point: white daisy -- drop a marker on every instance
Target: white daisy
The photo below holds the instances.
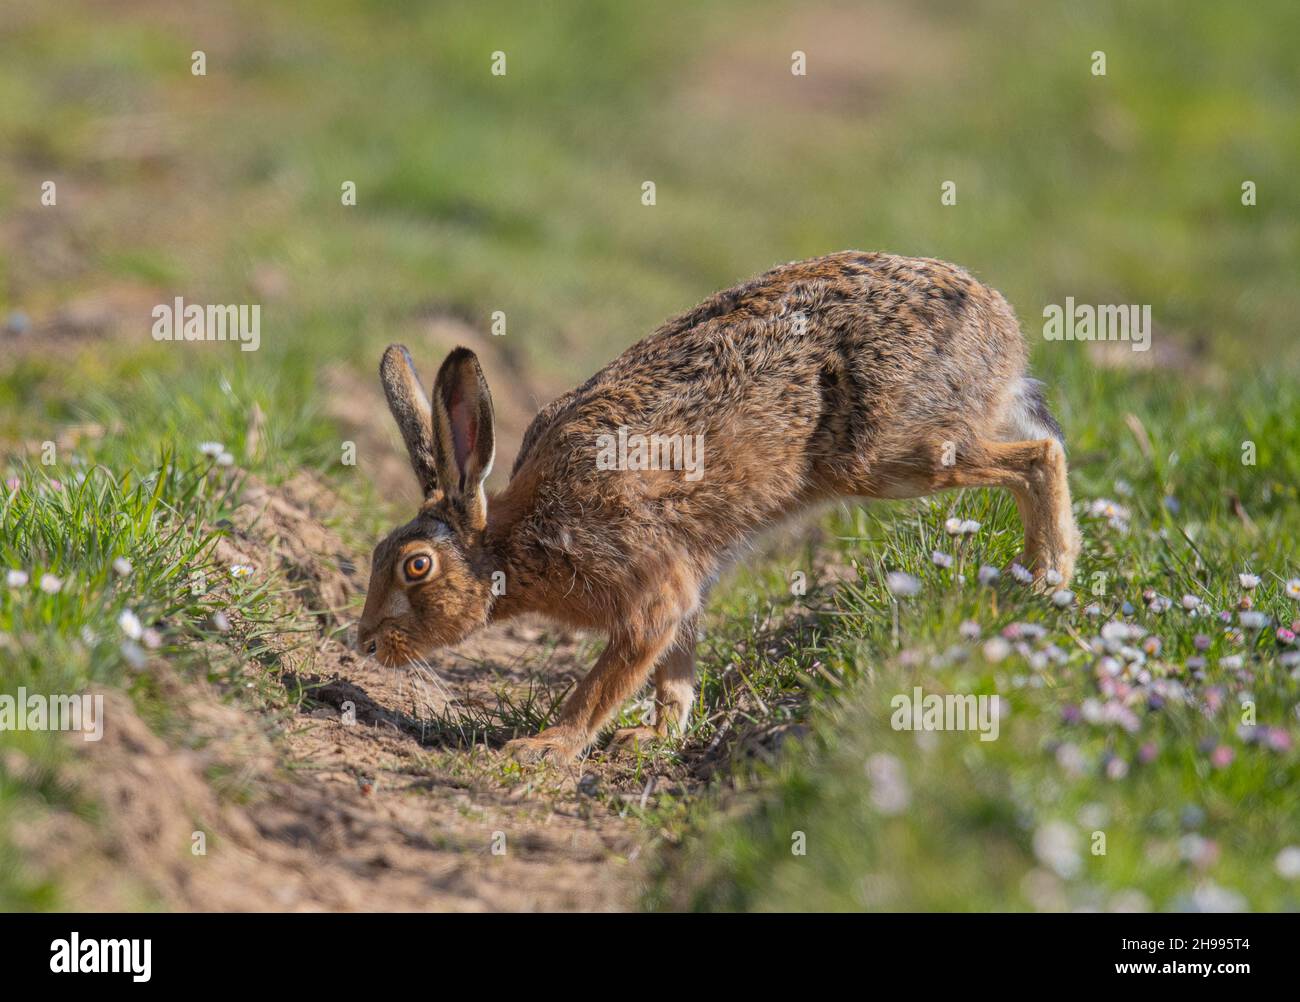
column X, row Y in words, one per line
column 1287, row 863
column 1252, row 620
column 996, row 649
column 130, row 624
column 902, row 585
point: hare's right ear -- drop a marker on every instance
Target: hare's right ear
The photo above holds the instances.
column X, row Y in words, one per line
column 464, row 433
column 410, row 406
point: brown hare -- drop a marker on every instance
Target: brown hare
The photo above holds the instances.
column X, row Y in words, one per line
column 851, row 375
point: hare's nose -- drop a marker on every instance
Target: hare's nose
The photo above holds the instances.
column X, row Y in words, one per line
column 365, row 640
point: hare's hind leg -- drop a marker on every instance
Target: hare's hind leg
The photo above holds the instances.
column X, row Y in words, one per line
column 1035, row 474
column 675, row 679
column 674, row 689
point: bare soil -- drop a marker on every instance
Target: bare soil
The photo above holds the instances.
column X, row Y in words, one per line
column 332, row 783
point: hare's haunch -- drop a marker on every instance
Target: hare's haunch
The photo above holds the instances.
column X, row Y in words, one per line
column 852, row 375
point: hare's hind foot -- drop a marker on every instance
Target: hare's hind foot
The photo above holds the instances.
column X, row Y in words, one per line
column 1041, row 488
column 1035, row 473
column 554, row 744
column 633, row 739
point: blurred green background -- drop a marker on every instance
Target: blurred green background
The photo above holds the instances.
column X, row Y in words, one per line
column 521, row 193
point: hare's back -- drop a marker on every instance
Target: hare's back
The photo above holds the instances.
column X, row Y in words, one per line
column 855, row 327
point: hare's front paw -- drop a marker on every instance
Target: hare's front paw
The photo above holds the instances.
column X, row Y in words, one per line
column 632, row 738
column 555, row 744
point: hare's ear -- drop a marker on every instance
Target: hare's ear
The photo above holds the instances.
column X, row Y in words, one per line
column 464, row 434
column 410, row 406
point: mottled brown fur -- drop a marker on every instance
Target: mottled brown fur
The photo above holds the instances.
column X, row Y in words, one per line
column 851, row 375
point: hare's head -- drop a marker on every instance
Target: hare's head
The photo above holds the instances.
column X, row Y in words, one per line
column 430, row 583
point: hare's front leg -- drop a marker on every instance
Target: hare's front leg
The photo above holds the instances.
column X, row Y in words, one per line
column 620, row 670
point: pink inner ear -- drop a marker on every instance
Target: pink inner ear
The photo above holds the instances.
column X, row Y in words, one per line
column 464, row 433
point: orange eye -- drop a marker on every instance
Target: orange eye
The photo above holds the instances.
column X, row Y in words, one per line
column 417, row 567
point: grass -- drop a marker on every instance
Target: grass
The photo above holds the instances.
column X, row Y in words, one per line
column 1193, row 801
column 88, row 561
column 522, row 194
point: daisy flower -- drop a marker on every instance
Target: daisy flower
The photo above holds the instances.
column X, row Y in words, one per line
column 50, row 584
column 1287, row 863
column 996, row 649
column 1106, row 508
column 16, row 579
column 129, row 623
column 1252, row 620
column 134, row 654
column 211, row 449
column 902, row 585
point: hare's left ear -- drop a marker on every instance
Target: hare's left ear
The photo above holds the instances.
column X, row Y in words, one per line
column 464, row 433
column 410, row 408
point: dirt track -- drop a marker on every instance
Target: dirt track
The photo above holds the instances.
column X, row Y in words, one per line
column 331, row 782
column 302, row 810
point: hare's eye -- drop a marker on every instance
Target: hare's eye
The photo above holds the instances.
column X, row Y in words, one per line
column 417, row 567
